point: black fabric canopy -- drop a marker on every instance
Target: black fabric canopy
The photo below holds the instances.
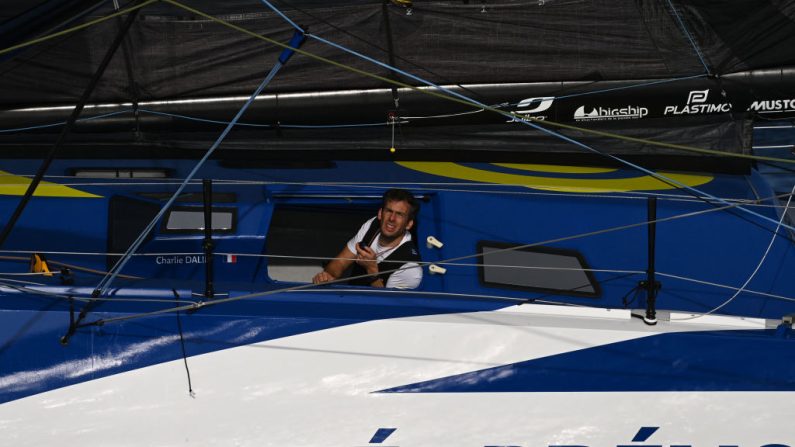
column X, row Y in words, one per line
column 598, row 60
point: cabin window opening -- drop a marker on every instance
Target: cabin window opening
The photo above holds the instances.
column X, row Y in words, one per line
column 120, row 173
column 191, row 220
column 542, row 269
column 302, row 238
column 127, row 218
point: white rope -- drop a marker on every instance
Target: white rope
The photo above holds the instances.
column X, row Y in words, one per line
column 20, row 281
column 723, row 286
column 758, row 266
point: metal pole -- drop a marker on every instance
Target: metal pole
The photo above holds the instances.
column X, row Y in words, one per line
column 651, row 284
column 208, row 238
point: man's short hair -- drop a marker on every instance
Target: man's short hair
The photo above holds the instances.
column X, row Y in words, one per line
column 401, row 195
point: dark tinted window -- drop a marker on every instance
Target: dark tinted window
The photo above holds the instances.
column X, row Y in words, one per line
column 538, row 268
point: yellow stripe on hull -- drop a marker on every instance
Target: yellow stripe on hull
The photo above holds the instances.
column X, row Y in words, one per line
column 14, row 185
column 568, row 184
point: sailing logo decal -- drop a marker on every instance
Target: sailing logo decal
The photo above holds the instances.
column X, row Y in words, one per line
column 697, row 96
column 773, row 105
column 535, row 105
column 553, row 177
column 605, row 114
column 697, row 105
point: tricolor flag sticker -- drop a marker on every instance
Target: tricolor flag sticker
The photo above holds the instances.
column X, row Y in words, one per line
column 230, row 259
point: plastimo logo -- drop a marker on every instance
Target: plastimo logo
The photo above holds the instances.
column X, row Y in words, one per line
column 697, row 105
column 607, row 113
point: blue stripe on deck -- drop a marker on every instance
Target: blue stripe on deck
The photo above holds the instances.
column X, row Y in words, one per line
column 758, row 360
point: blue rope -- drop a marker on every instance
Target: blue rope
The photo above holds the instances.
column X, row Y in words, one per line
column 545, row 130
column 201, row 120
column 284, row 16
column 106, row 281
column 61, row 123
column 689, row 37
column 643, row 84
column 287, row 126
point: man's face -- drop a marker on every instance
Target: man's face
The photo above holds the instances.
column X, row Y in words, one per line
column 395, row 218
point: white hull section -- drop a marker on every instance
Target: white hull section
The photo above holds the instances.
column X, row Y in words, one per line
column 319, row 389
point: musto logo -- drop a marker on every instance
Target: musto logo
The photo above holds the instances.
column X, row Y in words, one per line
column 773, row 105
column 605, row 113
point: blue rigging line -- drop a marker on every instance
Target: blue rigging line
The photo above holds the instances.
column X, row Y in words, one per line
column 268, row 126
column 284, row 16
column 61, row 123
column 543, row 129
column 689, row 37
column 106, row 281
column 642, row 84
column 202, row 120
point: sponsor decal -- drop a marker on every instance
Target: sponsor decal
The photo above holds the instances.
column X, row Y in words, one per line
column 531, row 106
column 697, row 96
column 697, row 105
column 534, row 105
column 607, row 113
column 773, row 105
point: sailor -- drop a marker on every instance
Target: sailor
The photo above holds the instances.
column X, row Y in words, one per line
column 380, row 242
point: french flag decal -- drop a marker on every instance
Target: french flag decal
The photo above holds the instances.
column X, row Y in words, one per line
column 230, row 259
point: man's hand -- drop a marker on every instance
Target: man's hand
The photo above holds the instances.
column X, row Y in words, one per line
column 322, row 277
column 365, row 257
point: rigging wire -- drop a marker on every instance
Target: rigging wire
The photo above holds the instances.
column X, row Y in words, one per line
column 457, row 97
column 108, row 279
column 360, row 39
column 267, row 126
column 64, row 264
column 690, row 38
column 642, row 84
column 77, row 27
column 443, row 262
column 300, row 287
column 70, row 123
column 61, row 123
column 756, row 269
column 572, row 140
column 83, row 253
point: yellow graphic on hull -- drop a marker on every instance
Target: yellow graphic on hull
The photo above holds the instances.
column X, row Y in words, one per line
column 15, row 185
column 556, row 168
column 560, row 184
